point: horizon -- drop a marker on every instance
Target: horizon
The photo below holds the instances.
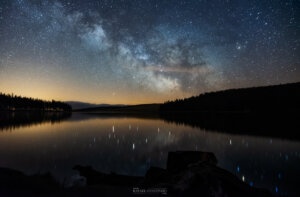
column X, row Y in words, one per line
column 115, row 104
column 140, row 52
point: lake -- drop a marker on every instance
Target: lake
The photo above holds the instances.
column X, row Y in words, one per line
column 130, row 145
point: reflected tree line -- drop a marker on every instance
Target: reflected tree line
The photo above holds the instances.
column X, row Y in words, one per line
column 268, row 111
column 17, row 111
column 10, row 102
column 12, row 120
column 263, row 111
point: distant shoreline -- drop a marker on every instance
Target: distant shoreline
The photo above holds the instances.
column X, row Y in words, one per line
column 270, row 111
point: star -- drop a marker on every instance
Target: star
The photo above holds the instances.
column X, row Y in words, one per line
column 137, row 52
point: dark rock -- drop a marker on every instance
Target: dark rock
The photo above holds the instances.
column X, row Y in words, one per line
column 191, row 173
column 209, row 180
column 155, row 175
column 188, row 173
column 15, row 182
column 94, row 177
column 180, row 160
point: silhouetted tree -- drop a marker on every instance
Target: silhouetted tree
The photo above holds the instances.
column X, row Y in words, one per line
column 270, row 98
column 13, row 102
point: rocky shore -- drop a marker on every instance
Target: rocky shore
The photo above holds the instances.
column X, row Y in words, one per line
column 188, row 173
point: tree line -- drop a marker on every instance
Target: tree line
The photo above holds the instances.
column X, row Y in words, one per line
column 269, row 98
column 12, row 102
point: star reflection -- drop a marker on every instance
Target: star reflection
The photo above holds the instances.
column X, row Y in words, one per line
column 243, row 178
column 108, row 146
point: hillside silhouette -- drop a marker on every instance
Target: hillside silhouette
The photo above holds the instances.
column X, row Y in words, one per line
column 262, row 111
column 16, row 103
column 142, row 109
column 277, row 98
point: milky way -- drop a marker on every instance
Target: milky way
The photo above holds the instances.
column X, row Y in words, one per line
column 145, row 51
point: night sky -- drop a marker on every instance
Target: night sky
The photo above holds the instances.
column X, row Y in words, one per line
column 145, row 51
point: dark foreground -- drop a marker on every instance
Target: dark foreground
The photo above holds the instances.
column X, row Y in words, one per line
column 188, row 173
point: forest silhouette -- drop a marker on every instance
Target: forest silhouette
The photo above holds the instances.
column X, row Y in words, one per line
column 277, row 98
column 263, row 111
column 11, row 102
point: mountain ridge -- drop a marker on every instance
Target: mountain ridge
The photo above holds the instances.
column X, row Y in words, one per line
column 77, row 105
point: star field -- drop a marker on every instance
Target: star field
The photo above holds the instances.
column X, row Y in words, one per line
column 145, row 51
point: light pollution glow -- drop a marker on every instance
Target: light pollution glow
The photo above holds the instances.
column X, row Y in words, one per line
column 131, row 52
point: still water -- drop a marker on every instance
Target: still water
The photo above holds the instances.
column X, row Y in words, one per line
column 127, row 145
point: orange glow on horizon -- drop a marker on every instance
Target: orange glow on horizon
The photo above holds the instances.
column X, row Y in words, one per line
column 38, row 91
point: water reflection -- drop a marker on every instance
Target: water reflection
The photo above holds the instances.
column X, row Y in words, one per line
column 269, row 124
column 131, row 145
column 14, row 120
